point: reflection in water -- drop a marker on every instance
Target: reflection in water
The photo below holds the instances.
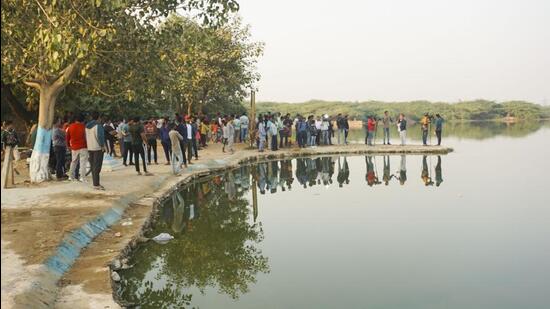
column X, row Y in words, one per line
column 217, row 236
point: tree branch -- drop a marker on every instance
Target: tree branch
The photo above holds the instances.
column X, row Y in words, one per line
column 64, row 77
column 35, row 83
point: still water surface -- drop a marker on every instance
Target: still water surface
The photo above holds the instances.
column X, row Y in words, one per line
column 466, row 230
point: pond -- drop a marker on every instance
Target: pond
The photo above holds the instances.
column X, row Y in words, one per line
column 466, row 230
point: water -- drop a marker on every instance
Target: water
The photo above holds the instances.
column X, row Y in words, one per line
column 466, row 230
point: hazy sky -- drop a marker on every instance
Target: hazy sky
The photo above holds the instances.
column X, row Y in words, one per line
column 402, row 49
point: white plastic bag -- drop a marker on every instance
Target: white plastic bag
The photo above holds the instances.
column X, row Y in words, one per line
column 163, row 238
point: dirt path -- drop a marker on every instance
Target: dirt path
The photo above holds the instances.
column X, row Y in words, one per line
column 37, row 218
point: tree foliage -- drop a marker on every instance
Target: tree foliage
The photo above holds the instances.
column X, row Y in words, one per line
column 470, row 110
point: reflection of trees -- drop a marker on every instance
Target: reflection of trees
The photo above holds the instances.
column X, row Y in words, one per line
column 472, row 130
column 213, row 249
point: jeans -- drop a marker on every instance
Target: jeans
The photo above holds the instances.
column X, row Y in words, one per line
column 128, row 150
column 274, row 142
column 324, row 135
column 438, row 134
column 341, row 136
column 387, row 135
column 346, row 132
column 110, row 143
column 302, row 138
column 312, row 140
column 152, row 144
column 424, row 137
column 96, row 161
column 167, row 147
column 60, row 152
column 244, row 134
column 370, row 137
column 195, row 149
column 78, row 156
column 403, row 136
column 139, row 151
column 182, row 148
column 282, row 136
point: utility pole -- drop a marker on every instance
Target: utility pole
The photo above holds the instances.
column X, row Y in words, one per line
column 252, row 122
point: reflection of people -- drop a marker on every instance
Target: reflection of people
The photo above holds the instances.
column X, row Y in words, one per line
column 343, row 172
column 387, row 177
column 371, row 177
column 438, row 173
column 402, row 170
column 425, row 175
column 262, row 169
column 326, row 170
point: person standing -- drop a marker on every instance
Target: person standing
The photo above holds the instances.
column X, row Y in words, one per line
column 340, row 128
column 95, row 140
column 188, row 137
column 237, row 125
column 346, row 129
column 438, row 128
column 312, row 132
column 273, row 129
column 164, row 134
column 402, row 126
column 196, row 136
column 177, row 153
column 76, row 140
column 301, row 128
column 231, row 134
column 262, row 135
column 110, row 135
column 182, row 130
column 386, row 122
column 137, row 133
column 204, row 128
column 244, row 127
column 60, row 149
column 287, row 128
column 225, row 134
column 425, row 125
column 127, row 140
column 324, row 130
column 151, row 134
column 371, row 126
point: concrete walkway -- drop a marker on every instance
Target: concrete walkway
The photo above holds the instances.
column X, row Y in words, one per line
column 58, row 238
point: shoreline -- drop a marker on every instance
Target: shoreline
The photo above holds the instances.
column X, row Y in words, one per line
column 85, row 278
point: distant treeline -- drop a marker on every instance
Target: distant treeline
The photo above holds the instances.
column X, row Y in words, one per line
column 468, row 110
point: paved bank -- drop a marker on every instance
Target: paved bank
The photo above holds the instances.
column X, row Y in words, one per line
column 45, row 227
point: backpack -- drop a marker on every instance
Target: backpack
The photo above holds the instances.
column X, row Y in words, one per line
column 11, row 138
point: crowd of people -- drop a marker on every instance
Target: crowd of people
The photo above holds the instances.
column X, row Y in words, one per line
column 82, row 140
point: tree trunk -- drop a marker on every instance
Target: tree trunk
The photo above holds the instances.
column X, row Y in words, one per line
column 40, row 157
column 49, row 91
column 189, row 108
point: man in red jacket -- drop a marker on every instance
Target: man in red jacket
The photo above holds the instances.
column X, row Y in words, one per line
column 76, row 141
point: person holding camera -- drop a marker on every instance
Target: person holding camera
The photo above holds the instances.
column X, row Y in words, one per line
column 425, row 125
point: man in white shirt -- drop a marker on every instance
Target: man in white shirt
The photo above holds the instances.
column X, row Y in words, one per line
column 244, row 127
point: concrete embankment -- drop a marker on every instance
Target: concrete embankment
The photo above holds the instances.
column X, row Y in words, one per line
column 74, row 272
